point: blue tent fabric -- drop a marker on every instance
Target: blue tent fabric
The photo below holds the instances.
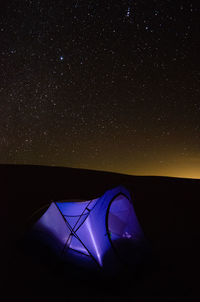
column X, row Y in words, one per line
column 92, row 229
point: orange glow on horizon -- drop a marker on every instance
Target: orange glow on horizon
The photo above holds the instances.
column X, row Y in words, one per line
column 184, row 172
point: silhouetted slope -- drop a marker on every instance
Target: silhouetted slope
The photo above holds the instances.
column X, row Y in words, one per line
column 167, row 208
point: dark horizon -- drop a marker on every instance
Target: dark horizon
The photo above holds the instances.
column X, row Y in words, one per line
column 92, row 170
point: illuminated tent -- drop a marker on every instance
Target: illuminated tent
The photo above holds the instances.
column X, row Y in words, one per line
column 99, row 233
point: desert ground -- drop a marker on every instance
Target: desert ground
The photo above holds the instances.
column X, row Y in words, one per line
column 167, row 209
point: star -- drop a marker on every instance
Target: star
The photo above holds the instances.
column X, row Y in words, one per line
column 128, row 12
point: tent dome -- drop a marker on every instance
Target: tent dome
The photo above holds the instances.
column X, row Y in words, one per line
column 102, row 233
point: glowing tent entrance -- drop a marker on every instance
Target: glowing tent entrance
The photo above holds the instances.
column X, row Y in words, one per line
column 99, row 233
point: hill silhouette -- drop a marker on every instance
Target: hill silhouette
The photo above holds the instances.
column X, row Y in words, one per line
column 168, row 211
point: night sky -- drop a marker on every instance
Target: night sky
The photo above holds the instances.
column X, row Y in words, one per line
column 104, row 85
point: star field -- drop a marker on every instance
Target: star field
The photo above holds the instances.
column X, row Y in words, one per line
column 108, row 85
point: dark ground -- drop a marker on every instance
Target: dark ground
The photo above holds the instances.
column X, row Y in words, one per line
column 168, row 211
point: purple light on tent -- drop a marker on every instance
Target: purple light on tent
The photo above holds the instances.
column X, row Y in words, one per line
column 122, row 220
column 93, row 229
column 94, row 242
column 51, row 228
column 76, row 245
